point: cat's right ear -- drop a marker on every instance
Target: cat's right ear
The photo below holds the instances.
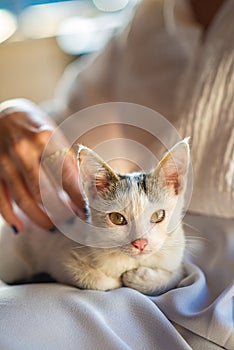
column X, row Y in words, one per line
column 96, row 175
column 172, row 170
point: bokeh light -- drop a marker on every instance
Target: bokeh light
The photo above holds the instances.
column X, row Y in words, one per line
column 8, row 25
column 110, row 5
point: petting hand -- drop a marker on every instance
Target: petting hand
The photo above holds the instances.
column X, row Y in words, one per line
column 24, row 133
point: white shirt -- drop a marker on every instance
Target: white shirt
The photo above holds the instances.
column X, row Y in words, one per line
column 162, row 61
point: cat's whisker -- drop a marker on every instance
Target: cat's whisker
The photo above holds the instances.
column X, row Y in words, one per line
column 192, row 253
column 196, row 238
column 78, row 247
column 97, row 252
column 89, row 253
column 194, row 245
column 191, row 227
column 174, row 243
column 193, row 249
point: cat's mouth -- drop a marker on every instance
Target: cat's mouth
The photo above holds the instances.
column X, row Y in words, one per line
column 140, row 254
column 137, row 253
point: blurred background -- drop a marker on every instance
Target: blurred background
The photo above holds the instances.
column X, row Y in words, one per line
column 38, row 38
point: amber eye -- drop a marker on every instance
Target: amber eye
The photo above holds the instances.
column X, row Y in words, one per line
column 117, row 219
column 158, row 216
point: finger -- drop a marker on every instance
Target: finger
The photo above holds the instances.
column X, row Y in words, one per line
column 62, row 169
column 23, row 197
column 30, row 168
column 28, row 164
column 31, row 176
column 6, row 208
column 70, row 182
column 59, row 207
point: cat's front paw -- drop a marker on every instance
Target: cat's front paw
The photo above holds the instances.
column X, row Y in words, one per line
column 147, row 280
column 95, row 281
column 138, row 279
column 106, row 283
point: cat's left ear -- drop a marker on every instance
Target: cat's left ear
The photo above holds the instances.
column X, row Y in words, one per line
column 172, row 169
column 96, row 175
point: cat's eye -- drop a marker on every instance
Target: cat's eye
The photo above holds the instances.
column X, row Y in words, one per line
column 117, row 219
column 158, row 216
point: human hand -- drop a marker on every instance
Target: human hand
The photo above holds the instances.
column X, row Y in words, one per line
column 24, row 133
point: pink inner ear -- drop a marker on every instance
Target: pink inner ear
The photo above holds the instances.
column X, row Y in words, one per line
column 170, row 175
column 101, row 183
column 173, row 167
column 173, row 180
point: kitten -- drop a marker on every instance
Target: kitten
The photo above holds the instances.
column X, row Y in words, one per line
column 137, row 213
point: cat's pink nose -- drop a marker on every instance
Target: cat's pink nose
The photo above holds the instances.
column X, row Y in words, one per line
column 140, row 244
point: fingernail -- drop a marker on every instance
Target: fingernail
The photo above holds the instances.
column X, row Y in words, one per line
column 83, row 213
column 53, row 229
column 86, row 211
column 15, row 229
column 80, row 214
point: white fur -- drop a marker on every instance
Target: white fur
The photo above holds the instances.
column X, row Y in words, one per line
column 156, row 269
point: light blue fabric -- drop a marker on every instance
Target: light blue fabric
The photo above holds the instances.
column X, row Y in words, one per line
column 199, row 314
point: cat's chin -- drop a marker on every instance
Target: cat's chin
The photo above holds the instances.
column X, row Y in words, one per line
column 137, row 254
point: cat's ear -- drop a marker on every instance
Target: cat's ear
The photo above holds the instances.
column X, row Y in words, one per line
column 172, row 169
column 96, row 175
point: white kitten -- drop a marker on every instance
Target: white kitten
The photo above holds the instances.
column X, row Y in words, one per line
column 136, row 212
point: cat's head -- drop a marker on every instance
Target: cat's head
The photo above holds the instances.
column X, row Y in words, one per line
column 137, row 211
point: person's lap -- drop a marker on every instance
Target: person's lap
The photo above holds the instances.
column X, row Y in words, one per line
column 198, row 314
